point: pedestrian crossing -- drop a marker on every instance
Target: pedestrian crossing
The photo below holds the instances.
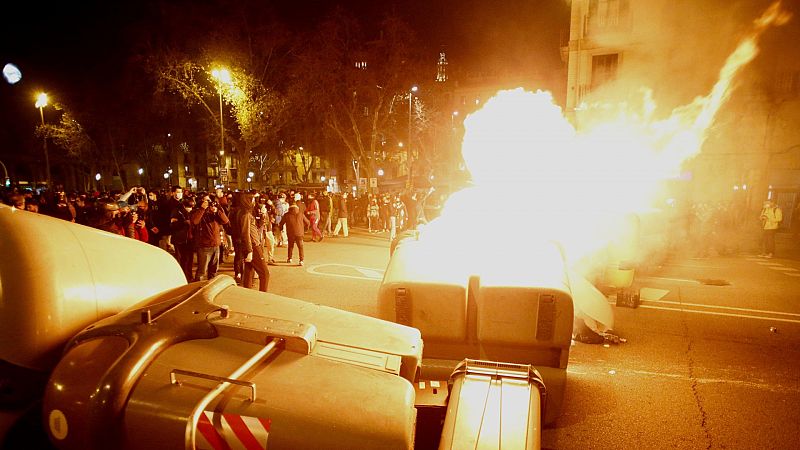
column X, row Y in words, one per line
column 776, row 266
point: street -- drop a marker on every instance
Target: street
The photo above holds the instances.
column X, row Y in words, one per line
column 710, row 360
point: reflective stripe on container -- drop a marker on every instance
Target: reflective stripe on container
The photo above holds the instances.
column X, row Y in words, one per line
column 231, row 432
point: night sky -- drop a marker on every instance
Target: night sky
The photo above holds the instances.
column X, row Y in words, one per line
column 66, row 48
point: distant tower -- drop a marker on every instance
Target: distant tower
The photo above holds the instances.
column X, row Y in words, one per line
column 441, row 67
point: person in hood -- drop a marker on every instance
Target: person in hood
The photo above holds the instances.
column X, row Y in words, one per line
column 247, row 241
column 295, row 223
column 183, row 237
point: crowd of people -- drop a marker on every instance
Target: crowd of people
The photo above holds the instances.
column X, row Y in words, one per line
column 201, row 229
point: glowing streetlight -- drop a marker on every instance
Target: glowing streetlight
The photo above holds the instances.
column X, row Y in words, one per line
column 97, row 176
column 250, row 174
column 322, row 179
column 41, row 102
column 380, row 172
column 249, row 179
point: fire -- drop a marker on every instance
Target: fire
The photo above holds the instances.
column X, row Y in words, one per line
column 538, row 178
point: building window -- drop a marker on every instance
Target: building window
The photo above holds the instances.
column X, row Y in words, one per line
column 604, row 69
column 607, row 15
column 361, row 65
column 441, row 68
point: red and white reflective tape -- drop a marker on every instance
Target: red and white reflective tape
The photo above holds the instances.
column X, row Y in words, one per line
column 231, row 432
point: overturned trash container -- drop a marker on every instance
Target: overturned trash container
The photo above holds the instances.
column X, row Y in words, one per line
column 494, row 405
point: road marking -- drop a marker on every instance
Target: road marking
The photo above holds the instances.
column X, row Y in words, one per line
column 679, row 280
column 370, row 273
column 715, row 313
column 364, row 273
column 692, row 266
column 652, row 294
column 580, row 369
column 729, row 308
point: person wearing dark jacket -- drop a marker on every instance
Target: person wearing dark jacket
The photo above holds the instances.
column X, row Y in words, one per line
column 295, row 223
column 181, row 229
column 247, row 241
column 208, row 221
column 341, row 222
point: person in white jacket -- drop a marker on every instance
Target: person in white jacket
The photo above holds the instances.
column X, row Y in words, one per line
column 771, row 218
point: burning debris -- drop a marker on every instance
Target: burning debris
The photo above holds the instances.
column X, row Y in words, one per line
column 533, row 170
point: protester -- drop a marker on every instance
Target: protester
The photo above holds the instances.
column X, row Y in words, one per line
column 313, row 217
column 771, row 218
column 208, row 221
column 341, row 221
column 295, row 223
column 247, row 243
column 182, row 239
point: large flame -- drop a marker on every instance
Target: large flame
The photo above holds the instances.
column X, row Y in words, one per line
column 537, row 178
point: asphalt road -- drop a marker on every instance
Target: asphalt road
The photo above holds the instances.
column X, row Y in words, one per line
column 712, row 358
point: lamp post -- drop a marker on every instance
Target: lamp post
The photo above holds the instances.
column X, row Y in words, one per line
column 222, row 76
column 41, row 102
column 408, row 148
column 5, row 173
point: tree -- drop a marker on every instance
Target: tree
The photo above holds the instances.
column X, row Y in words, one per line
column 244, row 38
column 70, row 136
column 350, row 83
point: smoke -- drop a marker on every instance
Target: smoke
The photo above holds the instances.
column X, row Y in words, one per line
column 679, row 47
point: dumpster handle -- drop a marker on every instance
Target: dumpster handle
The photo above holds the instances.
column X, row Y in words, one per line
column 173, row 379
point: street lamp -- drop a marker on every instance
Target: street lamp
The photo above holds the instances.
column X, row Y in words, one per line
column 380, row 172
column 222, row 76
column 41, row 102
column 7, row 181
column 408, row 149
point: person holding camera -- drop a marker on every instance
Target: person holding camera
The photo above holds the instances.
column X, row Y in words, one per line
column 134, row 225
column 208, row 221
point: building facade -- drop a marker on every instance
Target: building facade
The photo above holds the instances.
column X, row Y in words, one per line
column 676, row 49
